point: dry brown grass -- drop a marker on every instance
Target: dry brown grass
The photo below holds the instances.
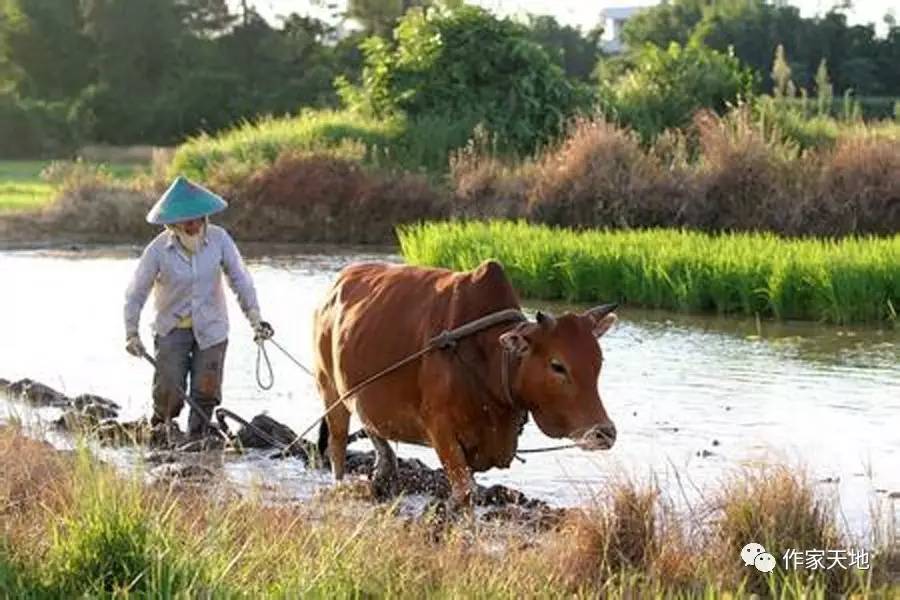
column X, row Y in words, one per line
column 601, row 177
column 860, row 186
column 722, row 174
column 320, row 198
column 628, row 543
column 34, row 479
column 489, row 187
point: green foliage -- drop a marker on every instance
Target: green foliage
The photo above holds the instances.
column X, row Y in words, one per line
column 857, row 58
column 464, row 64
column 413, row 144
column 852, row 280
column 33, row 128
column 781, row 75
column 132, row 71
column 666, row 87
column 577, row 53
column 824, row 89
column 379, row 17
column 661, row 25
column 44, row 44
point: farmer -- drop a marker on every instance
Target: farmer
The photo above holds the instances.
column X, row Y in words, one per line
column 185, row 264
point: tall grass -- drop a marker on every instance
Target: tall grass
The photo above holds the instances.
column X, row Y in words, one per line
column 415, row 145
column 850, row 280
column 115, row 537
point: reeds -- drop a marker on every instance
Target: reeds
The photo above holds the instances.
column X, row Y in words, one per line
column 837, row 281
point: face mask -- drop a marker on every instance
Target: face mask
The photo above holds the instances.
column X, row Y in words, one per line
column 190, row 242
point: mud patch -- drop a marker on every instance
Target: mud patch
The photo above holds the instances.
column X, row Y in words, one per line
column 175, row 456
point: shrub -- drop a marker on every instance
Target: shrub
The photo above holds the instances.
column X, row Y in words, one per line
column 464, row 64
column 414, row 144
column 600, row 176
column 666, row 87
column 321, row 198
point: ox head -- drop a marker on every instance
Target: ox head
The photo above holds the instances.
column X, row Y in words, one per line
column 559, row 362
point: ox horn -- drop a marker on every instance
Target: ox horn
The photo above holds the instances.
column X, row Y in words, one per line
column 598, row 312
column 602, row 317
column 545, row 320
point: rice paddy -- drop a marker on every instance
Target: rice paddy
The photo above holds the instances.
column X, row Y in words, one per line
column 835, row 281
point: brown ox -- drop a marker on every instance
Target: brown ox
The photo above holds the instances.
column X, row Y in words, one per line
column 453, row 399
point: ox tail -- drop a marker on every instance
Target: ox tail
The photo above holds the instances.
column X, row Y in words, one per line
column 322, row 442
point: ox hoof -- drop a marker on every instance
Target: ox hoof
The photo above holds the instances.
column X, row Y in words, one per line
column 385, row 487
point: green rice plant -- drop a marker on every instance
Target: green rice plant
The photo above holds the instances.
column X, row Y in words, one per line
column 836, row 281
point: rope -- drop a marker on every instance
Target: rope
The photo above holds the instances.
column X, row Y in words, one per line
column 445, row 339
column 261, row 353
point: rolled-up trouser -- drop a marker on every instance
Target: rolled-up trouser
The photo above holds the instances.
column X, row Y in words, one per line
column 177, row 356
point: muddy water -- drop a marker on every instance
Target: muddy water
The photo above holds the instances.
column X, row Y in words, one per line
column 693, row 397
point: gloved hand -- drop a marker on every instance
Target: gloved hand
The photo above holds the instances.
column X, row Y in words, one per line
column 262, row 331
column 134, row 346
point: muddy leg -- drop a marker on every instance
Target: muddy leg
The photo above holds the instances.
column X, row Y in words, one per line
column 338, row 425
column 384, row 476
column 206, row 386
column 173, row 361
column 453, row 459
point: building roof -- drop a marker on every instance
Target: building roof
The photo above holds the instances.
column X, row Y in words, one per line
column 623, row 12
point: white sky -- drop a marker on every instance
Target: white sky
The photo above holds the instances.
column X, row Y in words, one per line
column 584, row 13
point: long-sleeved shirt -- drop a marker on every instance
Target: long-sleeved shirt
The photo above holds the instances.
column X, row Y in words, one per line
column 190, row 285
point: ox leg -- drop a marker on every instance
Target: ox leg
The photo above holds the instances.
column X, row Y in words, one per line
column 338, row 425
column 455, row 465
column 384, row 475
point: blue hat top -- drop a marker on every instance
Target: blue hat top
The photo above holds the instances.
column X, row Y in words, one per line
column 183, row 201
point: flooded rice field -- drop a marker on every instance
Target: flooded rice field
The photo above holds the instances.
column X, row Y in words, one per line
column 693, row 397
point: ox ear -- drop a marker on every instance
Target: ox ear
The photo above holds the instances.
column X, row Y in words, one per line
column 515, row 342
column 602, row 318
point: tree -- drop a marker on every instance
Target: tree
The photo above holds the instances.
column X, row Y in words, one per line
column 207, row 17
column 666, row 23
column 466, row 65
column 378, row 17
column 666, row 87
column 574, row 51
column 754, row 28
column 42, row 44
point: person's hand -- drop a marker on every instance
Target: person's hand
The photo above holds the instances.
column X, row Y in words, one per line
column 262, row 331
column 134, row 346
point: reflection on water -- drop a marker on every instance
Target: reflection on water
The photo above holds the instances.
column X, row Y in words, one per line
column 692, row 396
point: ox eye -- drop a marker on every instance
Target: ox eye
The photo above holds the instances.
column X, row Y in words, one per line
column 558, row 367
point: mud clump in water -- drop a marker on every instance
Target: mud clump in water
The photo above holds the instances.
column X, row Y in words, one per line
column 35, row 393
column 172, row 449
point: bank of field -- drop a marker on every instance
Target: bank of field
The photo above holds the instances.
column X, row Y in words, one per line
column 21, row 187
column 72, row 527
column 843, row 281
column 28, row 185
